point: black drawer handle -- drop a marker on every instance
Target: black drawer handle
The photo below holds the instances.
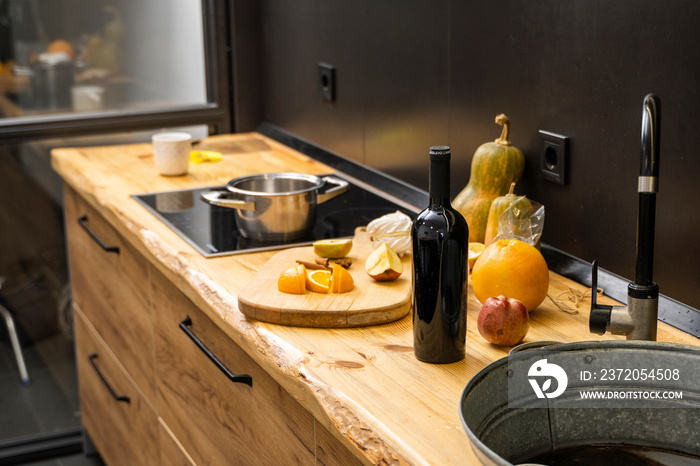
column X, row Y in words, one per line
column 92, row 358
column 242, row 378
column 82, row 221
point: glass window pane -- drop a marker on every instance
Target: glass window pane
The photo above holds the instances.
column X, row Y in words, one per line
column 67, row 56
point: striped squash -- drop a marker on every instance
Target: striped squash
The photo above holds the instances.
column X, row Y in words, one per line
column 494, row 167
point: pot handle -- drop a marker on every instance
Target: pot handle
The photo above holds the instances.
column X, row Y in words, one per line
column 218, row 198
column 341, row 187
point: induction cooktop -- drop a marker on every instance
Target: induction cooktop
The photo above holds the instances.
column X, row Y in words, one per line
column 212, row 230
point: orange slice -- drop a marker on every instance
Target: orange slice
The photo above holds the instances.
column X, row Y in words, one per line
column 319, row 281
column 341, row 280
column 475, row 250
column 293, row 280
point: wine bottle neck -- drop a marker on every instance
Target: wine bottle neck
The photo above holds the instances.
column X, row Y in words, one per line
column 439, row 181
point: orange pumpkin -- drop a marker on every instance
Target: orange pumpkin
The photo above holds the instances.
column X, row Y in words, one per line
column 60, row 45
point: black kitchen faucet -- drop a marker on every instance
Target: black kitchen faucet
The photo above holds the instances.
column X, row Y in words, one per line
column 638, row 320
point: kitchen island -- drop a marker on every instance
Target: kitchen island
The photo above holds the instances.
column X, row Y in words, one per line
column 326, row 396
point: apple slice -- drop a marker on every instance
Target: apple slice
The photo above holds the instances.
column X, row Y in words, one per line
column 383, row 264
column 333, row 248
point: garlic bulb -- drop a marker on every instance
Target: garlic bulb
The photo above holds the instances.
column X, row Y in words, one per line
column 392, row 229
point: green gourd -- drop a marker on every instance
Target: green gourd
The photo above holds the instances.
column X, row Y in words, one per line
column 494, row 167
column 498, row 206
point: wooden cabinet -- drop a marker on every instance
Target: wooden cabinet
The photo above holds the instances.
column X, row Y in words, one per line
column 160, row 382
column 218, row 418
column 109, row 280
column 122, row 424
column 171, row 451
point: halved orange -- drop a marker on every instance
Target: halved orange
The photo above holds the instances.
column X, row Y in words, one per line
column 293, row 280
column 341, row 280
column 319, row 281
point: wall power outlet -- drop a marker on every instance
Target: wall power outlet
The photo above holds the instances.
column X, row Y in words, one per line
column 554, row 157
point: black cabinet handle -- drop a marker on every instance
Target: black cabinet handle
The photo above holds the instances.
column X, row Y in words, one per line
column 82, row 221
column 242, row 378
column 92, row 358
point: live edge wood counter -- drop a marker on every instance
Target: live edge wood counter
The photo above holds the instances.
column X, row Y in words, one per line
column 368, row 398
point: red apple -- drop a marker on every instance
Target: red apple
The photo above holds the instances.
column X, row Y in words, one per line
column 503, row 321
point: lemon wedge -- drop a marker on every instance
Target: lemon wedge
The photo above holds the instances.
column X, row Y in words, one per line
column 201, row 156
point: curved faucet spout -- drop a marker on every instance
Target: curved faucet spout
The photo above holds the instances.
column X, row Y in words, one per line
column 647, row 187
column 651, row 124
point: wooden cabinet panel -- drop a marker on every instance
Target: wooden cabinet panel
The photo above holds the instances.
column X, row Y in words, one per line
column 216, row 420
column 111, row 288
column 124, row 430
column 171, row 452
column 330, row 451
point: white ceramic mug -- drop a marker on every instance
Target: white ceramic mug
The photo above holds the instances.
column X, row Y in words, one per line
column 171, row 152
column 87, row 98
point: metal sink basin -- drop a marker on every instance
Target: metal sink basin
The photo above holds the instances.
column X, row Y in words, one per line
column 653, row 419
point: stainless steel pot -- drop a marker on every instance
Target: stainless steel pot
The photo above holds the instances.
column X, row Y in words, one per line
column 51, row 84
column 276, row 206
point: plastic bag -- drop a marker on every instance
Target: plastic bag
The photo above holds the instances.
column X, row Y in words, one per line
column 523, row 225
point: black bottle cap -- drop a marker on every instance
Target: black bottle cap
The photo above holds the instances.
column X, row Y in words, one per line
column 440, row 153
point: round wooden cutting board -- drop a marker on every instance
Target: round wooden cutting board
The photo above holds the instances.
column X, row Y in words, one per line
column 369, row 303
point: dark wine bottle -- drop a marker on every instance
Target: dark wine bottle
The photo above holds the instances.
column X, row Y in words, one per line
column 440, row 238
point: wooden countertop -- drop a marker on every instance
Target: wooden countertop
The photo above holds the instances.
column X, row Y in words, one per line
column 363, row 384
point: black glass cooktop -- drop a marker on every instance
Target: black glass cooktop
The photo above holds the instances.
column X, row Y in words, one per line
column 212, row 230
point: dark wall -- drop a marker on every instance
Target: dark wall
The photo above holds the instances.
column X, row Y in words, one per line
column 414, row 74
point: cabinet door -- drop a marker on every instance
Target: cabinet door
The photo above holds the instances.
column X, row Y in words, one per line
column 121, row 423
column 216, row 420
column 171, row 452
column 110, row 285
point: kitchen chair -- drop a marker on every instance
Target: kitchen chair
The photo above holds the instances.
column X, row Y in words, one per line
column 10, row 322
